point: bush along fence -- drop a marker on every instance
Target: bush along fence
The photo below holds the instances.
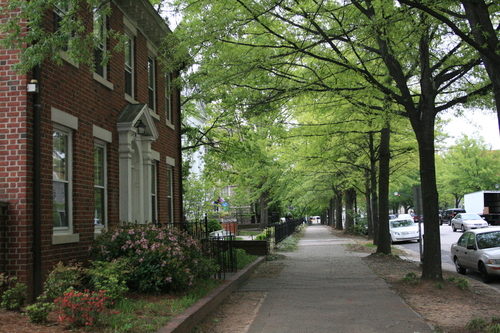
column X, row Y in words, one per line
column 284, row 229
column 217, row 244
column 220, row 245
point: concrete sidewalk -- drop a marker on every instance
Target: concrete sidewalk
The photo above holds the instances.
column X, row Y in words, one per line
column 324, row 288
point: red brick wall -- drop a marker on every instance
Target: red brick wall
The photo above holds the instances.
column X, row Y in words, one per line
column 72, row 90
column 15, row 168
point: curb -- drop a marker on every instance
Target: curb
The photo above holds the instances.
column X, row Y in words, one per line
column 189, row 318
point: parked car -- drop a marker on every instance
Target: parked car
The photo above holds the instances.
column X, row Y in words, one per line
column 449, row 214
column 478, row 250
column 467, row 221
column 403, row 229
column 405, row 216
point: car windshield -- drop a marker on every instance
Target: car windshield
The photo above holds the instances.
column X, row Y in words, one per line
column 488, row 240
column 471, row 217
column 402, row 223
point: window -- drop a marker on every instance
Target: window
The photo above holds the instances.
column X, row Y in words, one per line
column 100, row 35
column 168, row 98
column 62, row 179
column 170, row 191
column 100, row 185
column 151, row 83
column 154, row 200
column 60, row 11
column 129, row 64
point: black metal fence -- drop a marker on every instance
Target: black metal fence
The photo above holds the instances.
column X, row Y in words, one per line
column 284, row 229
column 220, row 247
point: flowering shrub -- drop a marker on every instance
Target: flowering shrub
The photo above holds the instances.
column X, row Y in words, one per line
column 161, row 258
column 77, row 309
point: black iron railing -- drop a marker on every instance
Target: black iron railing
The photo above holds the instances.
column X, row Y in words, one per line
column 219, row 247
column 284, row 229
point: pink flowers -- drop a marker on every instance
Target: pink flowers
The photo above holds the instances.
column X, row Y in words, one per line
column 160, row 258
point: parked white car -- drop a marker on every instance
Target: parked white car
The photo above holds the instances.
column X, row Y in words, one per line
column 478, row 250
column 467, row 221
column 404, row 229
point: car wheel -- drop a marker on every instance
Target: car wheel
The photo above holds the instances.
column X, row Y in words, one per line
column 463, row 228
column 484, row 273
column 459, row 268
column 453, row 227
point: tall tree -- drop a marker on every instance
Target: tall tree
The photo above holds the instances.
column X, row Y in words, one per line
column 468, row 166
column 308, row 45
column 477, row 30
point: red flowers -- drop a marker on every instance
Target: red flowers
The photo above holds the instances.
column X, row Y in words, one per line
column 79, row 309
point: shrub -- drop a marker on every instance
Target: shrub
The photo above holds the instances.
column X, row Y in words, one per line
column 357, row 229
column 63, row 278
column 77, row 309
column 476, row 323
column 243, row 259
column 494, row 328
column 14, row 297
column 38, row 312
column 111, row 277
column 262, row 236
column 214, row 225
column 463, row 283
column 411, row 278
column 161, row 258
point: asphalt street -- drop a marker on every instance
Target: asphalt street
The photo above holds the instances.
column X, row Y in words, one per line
column 448, row 237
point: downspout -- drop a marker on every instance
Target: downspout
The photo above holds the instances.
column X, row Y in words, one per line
column 37, row 212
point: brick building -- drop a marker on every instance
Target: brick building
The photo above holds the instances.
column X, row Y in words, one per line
column 82, row 150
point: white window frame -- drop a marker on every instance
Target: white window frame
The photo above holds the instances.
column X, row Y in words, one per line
column 154, row 191
column 61, row 9
column 152, row 82
column 168, row 98
column 103, row 187
column 170, row 194
column 67, row 229
column 63, row 121
column 100, row 30
column 130, row 68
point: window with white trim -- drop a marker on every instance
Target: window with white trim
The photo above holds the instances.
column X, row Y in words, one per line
column 129, row 54
column 152, row 82
column 170, row 194
column 154, row 189
column 100, row 185
column 100, row 35
column 60, row 11
column 62, row 186
column 168, row 97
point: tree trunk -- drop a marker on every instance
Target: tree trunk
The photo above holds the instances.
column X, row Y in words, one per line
column 263, row 210
column 331, row 216
column 373, row 190
column 432, row 268
column 349, row 208
column 369, row 212
column 384, row 239
column 338, row 211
